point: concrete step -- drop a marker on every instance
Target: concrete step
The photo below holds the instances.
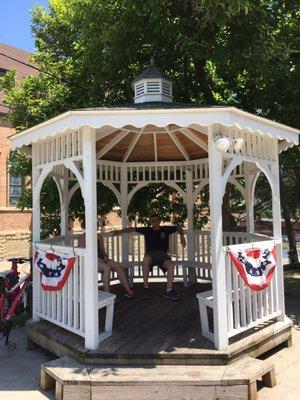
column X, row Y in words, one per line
column 74, row 381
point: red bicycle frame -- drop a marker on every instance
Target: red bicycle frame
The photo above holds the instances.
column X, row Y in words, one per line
column 13, row 289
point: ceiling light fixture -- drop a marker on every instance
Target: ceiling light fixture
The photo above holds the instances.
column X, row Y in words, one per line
column 223, row 143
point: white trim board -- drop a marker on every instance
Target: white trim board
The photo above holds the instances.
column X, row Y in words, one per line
column 119, row 118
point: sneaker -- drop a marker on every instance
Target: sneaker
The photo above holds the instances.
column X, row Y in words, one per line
column 129, row 293
column 171, row 295
column 146, row 294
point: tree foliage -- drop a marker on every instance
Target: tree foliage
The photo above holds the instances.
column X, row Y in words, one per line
column 234, row 52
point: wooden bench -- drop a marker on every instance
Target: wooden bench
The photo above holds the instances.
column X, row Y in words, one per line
column 188, row 270
column 73, row 380
column 205, row 300
column 106, row 300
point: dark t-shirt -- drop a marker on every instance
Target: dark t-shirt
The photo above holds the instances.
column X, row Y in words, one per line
column 157, row 239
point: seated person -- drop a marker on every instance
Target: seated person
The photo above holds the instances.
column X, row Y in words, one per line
column 105, row 265
column 157, row 248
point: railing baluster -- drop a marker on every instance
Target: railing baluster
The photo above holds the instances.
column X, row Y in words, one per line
column 229, row 267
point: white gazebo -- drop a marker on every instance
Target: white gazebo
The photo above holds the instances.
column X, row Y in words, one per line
column 151, row 141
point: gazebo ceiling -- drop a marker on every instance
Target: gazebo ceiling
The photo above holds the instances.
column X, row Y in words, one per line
column 151, row 143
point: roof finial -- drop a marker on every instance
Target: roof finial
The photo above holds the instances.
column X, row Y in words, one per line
column 152, row 60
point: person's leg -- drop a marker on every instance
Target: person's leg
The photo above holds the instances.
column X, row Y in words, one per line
column 105, row 269
column 169, row 266
column 120, row 272
column 170, row 294
column 146, row 266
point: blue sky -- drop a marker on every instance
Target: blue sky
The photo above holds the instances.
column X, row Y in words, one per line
column 15, row 20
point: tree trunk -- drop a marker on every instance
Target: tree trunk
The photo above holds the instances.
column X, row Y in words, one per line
column 293, row 254
column 228, row 220
column 203, row 80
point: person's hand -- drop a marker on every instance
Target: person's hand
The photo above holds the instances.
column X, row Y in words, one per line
column 105, row 258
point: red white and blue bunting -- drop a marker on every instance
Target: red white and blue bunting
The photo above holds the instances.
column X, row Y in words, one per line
column 54, row 268
column 255, row 265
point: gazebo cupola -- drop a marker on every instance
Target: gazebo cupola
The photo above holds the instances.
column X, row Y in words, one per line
column 152, row 86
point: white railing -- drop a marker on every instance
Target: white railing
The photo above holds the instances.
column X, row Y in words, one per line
column 136, row 250
column 247, row 308
column 64, row 307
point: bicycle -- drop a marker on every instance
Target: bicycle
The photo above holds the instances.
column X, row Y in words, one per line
column 15, row 297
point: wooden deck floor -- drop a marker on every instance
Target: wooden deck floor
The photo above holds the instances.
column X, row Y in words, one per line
column 157, row 325
column 144, row 331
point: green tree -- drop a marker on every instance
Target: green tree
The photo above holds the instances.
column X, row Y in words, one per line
column 234, row 52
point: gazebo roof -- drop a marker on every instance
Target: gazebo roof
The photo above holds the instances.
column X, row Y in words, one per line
column 155, row 131
column 151, row 72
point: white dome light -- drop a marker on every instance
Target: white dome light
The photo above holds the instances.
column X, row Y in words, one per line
column 238, row 144
column 222, row 143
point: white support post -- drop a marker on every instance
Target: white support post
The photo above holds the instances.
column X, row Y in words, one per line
column 217, row 254
column 124, row 209
column 251, row 175
column 190, row 221
column 64, row 206
column 277, row 234
column 62, row 185
column 36, row 233
column 90, row 257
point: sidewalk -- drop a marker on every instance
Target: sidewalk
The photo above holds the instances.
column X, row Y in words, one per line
column 20, row 369
column 287, row 360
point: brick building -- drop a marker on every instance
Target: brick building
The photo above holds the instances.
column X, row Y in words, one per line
column 15, row 225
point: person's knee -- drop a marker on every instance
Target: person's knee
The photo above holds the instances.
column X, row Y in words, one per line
column 117, row 267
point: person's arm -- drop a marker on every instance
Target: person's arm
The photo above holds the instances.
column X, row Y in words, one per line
column 125, row 230
column 182, row 238
column 105, row 256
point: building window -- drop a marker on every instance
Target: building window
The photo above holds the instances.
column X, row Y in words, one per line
column 15, row 189
column 2, row 72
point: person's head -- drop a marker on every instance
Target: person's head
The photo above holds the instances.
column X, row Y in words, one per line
column 155, row 220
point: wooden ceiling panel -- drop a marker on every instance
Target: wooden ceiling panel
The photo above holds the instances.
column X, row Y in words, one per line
column 199, row 134
column 143, row 150
column 166, row 149
column 194, row 151
column 103, row 142
column 153, row 129
column 117, row 152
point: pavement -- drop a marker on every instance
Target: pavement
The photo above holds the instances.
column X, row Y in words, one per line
column 20, row 369
column 286, row 360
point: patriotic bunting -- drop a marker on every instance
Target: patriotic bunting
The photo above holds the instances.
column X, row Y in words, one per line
column 256, row 266
column 54, row 268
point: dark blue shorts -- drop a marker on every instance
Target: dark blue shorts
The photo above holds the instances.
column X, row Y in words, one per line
column 158, row 257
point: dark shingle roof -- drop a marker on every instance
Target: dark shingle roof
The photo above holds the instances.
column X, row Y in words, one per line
column 151, row 72
column 153, row 105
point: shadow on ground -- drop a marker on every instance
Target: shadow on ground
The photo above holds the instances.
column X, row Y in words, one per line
column 20, row 369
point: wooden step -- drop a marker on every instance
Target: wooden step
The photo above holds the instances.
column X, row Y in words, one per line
column 74, row 381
